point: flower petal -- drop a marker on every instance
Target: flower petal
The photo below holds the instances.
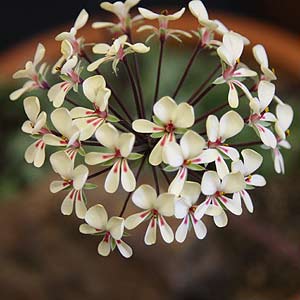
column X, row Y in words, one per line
column 135, row 220
column 248, row 201
column 191, row 192
column 57, row 186
column 80, row 207
column 32, row 108
column 184, row 116
column 182, row 230
column 58, row 92
column 199, row 228
column 232, row 183
column 231, row 124
column 62, row 164
column 172, row 155
column 68, row 203
column 212, row 128
column 252, row 160
column 221, row 220
column 266, row 93
column 177, row 184
column 191, row 144
column 148, row 14
column 108, row 136
column 80, row 176
column 115, row 226
column 97, row 217
column 124, row 249
column 233, row 97
column 165, row 230
column 210, row 183
column 126, row 143
column 144, row 197
column 95, row 158
column 113, row 178
column 145, row 126
column 127, row 177
column 165, row 204
column 104, row 247
column 257, row 180
column 150, row 236
column 165, row 109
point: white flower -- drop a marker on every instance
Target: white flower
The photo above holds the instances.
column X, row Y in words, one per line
column 112, row 229
column 68, row 135
column 121, row 10
column 163, row 32
column 36, row 126
column 261, row 57
column 230, row 52
column 260, row 115
column 89, row 120
column 252, row 162
column 71, row 78
column 215, row 191
column 186, row 156
column 155, row 208
column 71, row 45
column 218, row 132
column 116, row 52
column 73, row 179
column 34, row 74
column 119, row 147
column 285, row 115
column 185, row 208
column 169, row 119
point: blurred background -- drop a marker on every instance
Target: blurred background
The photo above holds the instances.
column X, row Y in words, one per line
column 42, row 254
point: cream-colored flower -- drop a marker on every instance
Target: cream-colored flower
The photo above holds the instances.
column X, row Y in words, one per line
column 118, row 150
column 230, row 52
column 112, row 229
column 122, row 11
column 116, row 52
column 163, row 32
column 73, row 179
column 169, row 119
column 260, row 116
column 35, row 126
column 34, row 73
column 215, row 190
column 261, row 57
column 67, row 135
column 70, row 73
column 89, row 120
column 155, row 208
column 186, row 155
column 252, row 162
column 71, row 45
column 218, row 132
column 185, row 208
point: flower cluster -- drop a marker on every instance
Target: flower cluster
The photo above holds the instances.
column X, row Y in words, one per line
column 206, row 174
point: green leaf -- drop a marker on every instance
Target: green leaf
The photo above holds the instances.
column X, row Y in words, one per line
column 112, row 119
column 170, row 169
column 113, row 244
column 135, row 156
column 181, row 130
column 81, row 151
column 157, row 121
column 84, row 198
column 65, row 78
column 90, row 186
column 194, row 167
column 108, row 163
column 250, row 187
column 157, row 135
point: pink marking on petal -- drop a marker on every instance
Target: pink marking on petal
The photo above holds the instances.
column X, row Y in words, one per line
column 163, row 141
column 106, row 237
column 153, row 222
column 143, row 215
column 186, row 220
column 182, row 174
column 125, row 167
column 162, row 221
column 118, row 242
column 116, row 168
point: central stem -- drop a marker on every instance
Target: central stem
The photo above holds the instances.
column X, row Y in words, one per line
column 161, row 54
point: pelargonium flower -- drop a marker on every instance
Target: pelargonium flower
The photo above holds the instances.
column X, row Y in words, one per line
column 68, row 135
column 35, row 126
column 119, row 147
column 218, row 132
column 89, row 120
column 185, row 208
column 155, row 208
column 73, row 179
column 252, row 162
column 284, row 115
column 169, row 119
column 71, row 45
column 112, row 230
column 34, row 73
column 262, row 59
column 260, row 114
column 116, row 52
column 186, row 155
column 121, row 10
column 184, row 144
column 230, row 52
column 163, row 31
column 215, row 189
column 70, row 74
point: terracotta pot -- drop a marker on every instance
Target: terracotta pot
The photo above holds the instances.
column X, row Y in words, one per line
column 283, row 47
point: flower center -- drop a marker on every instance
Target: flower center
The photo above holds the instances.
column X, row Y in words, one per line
column 170, row 127
column 118, row 153
column 215, row 144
